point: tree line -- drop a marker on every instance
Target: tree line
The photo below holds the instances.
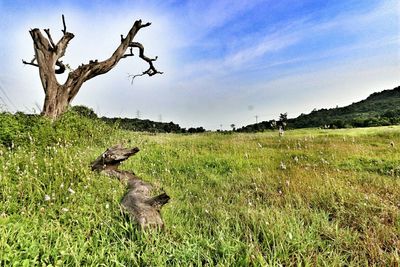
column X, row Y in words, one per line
column 139, row 125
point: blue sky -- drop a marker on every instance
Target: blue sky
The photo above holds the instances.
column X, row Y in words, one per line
column 224, row 62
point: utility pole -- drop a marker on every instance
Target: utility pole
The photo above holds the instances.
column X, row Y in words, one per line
column 138, row 114
column 256, row 118
column 160, row 118
column 220, row 127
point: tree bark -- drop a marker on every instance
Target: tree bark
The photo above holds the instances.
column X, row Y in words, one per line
column 137, row 202
column 47, row 59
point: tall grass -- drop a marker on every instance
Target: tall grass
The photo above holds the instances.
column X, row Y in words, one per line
column 312, row 197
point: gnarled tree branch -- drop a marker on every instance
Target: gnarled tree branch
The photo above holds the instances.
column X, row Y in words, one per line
column 151, row 70
column 94, row 68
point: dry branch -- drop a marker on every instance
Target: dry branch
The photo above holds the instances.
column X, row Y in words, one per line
column 151, row 70
column 137, row 202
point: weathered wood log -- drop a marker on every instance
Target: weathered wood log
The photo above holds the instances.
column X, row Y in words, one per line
column 137, row 202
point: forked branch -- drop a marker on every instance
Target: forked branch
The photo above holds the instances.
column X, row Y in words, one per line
column 151, row 70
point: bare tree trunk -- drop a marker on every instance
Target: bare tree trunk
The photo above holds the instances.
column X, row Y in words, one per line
column 137, row 202
column 55, row 102
column 47, row 59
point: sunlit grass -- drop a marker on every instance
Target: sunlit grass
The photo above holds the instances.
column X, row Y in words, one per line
column 312, row 197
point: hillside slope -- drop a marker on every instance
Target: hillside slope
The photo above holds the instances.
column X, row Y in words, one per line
column 379, row 109
column 382, row 108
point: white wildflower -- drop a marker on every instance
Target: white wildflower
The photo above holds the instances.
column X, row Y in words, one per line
column 47, row 198
column 62, row 185
column 107, row 206
column 282, row 166
column 64, row 209
column 71, row 191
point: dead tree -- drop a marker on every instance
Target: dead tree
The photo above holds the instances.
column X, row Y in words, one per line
column 48, row 56
column 137, row 202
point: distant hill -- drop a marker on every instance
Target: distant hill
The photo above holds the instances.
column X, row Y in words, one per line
column 382, row 108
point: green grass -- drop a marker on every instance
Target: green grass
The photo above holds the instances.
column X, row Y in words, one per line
column 312, row 198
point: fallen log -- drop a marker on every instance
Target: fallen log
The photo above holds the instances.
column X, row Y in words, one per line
column 137, row 202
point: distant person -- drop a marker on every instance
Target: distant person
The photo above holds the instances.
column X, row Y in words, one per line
column 281, row 131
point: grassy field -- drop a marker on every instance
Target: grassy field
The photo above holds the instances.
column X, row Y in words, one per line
column 310, row 198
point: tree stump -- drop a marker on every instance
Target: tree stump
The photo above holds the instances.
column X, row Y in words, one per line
column 137, row 202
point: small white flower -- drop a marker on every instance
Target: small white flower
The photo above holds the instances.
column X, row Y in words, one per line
column 62, row 185
column 282, row 166
column 107, row 206
column 64, row 209
column 47, row 198
column 71, row 191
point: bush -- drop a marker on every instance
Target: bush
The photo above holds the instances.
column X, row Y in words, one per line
column 84, row 111
column 27, row 130
column 9, row 129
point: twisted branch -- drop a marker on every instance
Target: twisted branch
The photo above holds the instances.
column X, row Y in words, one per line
column 151, row 70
